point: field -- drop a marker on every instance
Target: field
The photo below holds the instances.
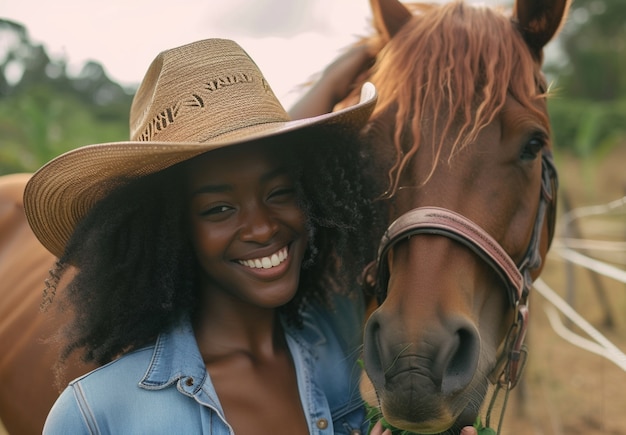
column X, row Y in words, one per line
column 568, row 390
column 565, row 390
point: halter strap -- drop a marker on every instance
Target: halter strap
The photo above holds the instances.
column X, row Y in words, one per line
column 440, row 221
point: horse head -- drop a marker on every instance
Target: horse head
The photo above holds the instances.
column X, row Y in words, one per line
column 463, row 125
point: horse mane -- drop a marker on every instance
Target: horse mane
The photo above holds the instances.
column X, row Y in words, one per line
column 448, row 72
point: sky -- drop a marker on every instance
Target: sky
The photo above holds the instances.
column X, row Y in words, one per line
column 291, row 40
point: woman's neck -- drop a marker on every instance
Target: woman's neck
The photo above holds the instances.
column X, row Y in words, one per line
column 251, row 369
column 225, row 326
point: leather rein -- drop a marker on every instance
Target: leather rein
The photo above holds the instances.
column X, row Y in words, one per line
column 516, row 277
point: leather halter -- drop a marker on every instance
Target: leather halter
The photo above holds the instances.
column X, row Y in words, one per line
column 516, row 277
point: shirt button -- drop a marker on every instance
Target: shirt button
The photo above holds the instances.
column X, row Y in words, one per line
column 355, row 432
column 322, row 423
column 189, row 382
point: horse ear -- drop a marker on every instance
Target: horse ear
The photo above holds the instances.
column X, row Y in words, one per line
column 540, row 21
column 389, row 17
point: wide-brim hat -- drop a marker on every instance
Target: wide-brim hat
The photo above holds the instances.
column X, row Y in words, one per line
column 199, row 97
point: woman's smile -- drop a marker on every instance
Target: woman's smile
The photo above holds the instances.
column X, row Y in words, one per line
column 269, row 262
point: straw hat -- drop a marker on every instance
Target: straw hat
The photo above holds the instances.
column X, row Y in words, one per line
column 195, row 98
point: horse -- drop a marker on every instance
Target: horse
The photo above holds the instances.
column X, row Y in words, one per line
column 27, row 359
column 462, row 130
column 462, row 124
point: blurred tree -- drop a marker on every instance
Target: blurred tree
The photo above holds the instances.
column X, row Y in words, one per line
column 594, row 42
column 588, row 106
column 44, row 112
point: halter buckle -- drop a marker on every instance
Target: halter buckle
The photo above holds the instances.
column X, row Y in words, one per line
column 517, row 352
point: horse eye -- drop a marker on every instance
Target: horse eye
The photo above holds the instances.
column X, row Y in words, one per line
column 531, row 149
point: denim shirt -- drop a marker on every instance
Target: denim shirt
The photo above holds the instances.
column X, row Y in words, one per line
column 165, row 388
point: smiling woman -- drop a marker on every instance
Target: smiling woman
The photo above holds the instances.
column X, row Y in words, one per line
column 215, row 257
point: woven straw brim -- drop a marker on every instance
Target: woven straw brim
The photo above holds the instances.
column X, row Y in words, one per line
column 63, row 191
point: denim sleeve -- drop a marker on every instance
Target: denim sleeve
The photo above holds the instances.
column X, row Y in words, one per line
column 67, row 416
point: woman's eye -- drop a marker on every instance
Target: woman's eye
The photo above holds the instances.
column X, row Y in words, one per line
column 216, row 211
column 532, row 148
column 283, row 193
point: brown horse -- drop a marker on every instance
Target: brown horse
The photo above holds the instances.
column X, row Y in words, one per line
column 27, row 379
column 472, row 193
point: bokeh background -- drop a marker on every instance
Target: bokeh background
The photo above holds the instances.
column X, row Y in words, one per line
column 68, row 70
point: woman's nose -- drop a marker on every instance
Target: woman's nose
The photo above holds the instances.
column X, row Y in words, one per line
column 258, row 225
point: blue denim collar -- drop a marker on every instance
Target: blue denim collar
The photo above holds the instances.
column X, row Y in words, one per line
column 175, row 357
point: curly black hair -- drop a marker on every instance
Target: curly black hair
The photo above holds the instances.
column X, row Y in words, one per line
column 136, row 272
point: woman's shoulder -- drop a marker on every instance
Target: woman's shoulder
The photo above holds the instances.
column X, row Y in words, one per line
column 120, row 397
column 128, row 366
column 102, row 388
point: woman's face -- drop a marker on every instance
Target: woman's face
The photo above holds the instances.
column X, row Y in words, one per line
column 247, row 229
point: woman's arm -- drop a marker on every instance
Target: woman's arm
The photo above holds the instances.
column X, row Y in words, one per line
column 334, row 85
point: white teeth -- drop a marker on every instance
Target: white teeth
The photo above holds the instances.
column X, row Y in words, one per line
column 275, row 261
column 266, row 262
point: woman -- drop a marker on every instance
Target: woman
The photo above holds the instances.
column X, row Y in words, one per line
column 206, row 256
column 211, row 258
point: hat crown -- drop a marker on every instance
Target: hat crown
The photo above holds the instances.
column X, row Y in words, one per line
column 201, row 91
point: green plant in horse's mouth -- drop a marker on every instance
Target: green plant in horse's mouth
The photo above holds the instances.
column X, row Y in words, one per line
column 374, row 414
column 483, row 430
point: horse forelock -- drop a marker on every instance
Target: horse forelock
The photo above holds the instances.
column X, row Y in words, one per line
column 446, row 75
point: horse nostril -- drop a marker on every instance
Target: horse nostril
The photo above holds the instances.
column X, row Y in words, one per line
column 457, row 361
column 371, row 352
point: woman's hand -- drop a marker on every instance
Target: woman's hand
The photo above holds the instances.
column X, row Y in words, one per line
column 378, row 430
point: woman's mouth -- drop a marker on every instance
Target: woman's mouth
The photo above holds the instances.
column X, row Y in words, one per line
column 266, row 262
